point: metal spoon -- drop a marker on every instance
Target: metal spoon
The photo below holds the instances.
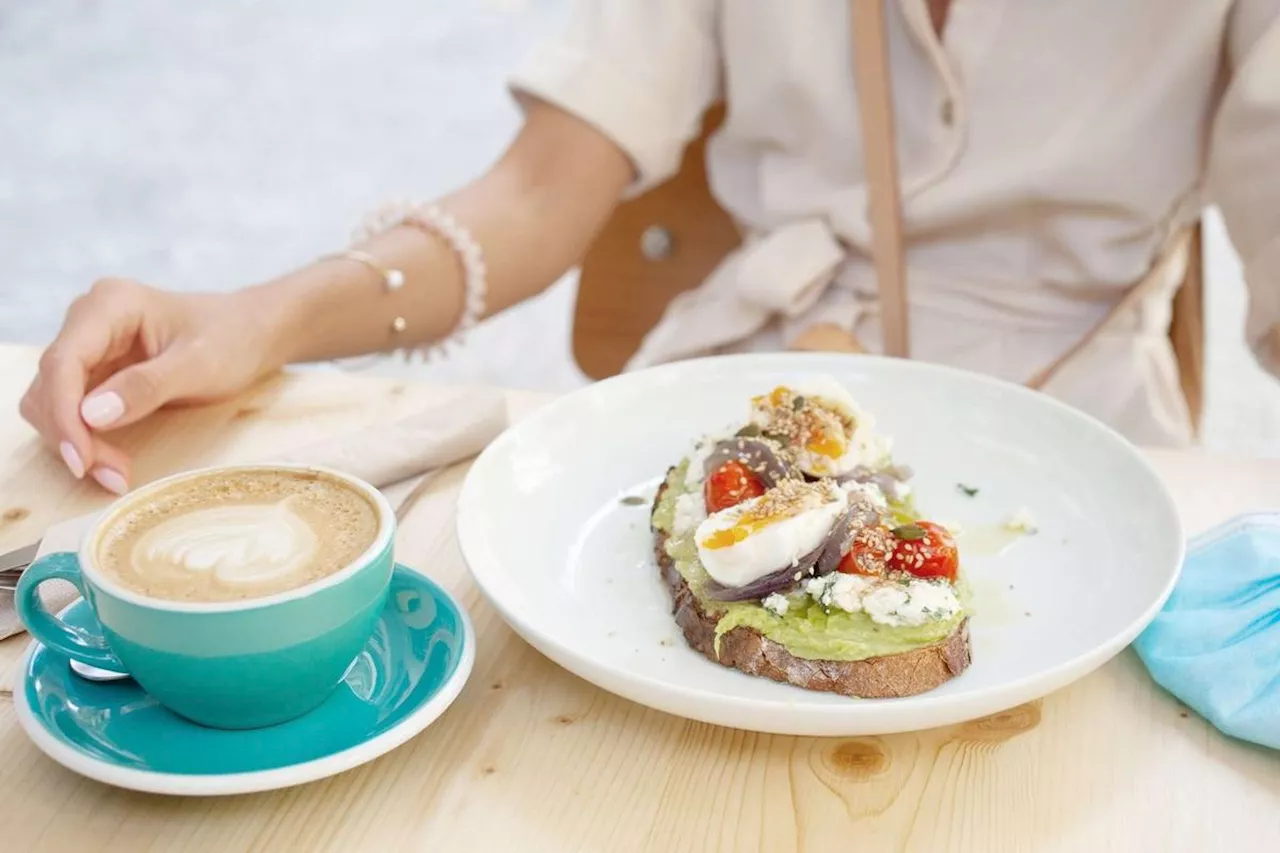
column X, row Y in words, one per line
column 93, row 673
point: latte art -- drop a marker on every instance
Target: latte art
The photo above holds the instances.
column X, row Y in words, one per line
column 245, row 544
column 236, row 534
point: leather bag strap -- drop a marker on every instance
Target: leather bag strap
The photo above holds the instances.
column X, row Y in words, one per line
column 871, row 76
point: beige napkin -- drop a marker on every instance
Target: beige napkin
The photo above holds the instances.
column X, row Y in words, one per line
column 454, row 426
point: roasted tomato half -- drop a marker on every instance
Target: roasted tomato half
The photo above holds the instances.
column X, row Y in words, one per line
column 731, row 484
column 926, row 550
column 870, row 552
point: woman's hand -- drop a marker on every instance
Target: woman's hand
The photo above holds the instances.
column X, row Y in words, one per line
column 125, row 350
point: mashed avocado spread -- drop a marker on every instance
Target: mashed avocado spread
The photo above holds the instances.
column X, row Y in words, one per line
column 807, row 630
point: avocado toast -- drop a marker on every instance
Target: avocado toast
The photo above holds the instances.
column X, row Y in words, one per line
column 792, row 551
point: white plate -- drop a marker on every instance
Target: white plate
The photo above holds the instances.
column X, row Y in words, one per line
column 571, row 568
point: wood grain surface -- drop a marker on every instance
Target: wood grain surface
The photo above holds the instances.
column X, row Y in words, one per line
column 531, row 758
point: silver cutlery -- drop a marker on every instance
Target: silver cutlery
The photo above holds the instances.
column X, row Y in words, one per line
column 14, row 563
column 93, row 673
column 19, row 558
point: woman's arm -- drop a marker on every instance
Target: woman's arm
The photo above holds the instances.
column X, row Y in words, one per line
column 534, row 213
column 125, row 349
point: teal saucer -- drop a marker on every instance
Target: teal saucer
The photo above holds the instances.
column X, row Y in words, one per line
column 412, row 668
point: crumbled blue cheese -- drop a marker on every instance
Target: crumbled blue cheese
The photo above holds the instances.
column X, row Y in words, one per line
column 1021, row 521
column 846, row 591
column 839, row 590
column 698, row 461
column 691, row 510
column 817, row 587
column 778, row 603
column 914, row 603
column 870, row 491
column 886, row 602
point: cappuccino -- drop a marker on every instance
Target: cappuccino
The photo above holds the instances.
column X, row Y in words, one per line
column 236, row 534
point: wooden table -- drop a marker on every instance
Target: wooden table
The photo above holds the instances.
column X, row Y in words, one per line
column 531, row 758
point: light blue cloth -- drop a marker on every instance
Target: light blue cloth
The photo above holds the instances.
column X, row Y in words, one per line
column 1216, row 643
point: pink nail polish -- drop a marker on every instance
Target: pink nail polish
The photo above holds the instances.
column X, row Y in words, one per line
column 102, row 410
column 72, row 458
column 111, row 480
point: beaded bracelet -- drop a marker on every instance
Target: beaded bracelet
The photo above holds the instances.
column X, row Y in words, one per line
column 438, row 223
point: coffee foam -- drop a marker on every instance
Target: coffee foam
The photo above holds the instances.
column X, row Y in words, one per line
column 236, row 534
column 244, row 544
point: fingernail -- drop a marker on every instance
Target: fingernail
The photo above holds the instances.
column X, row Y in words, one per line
column 72, row 458
column 101, row 410
column 111, row 480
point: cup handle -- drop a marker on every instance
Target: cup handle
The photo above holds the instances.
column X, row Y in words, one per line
column 84, row 646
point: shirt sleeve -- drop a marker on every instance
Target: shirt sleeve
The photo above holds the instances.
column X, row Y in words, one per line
column 1244, row 166
column 641, row 71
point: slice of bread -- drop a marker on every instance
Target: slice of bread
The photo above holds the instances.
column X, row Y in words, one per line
column 746, row 649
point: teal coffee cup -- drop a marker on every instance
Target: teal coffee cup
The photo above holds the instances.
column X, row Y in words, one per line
column 244, row 663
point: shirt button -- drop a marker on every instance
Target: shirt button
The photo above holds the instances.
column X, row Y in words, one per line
column 948, row 112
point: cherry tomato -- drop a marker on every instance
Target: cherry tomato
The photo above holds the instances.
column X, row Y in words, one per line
column 869, row 552
column 931, row 555
column 731, row 484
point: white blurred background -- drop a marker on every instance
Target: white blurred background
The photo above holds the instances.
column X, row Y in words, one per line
column 203, row 146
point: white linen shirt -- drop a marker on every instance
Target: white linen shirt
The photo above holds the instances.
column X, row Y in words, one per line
column 1051, row 155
